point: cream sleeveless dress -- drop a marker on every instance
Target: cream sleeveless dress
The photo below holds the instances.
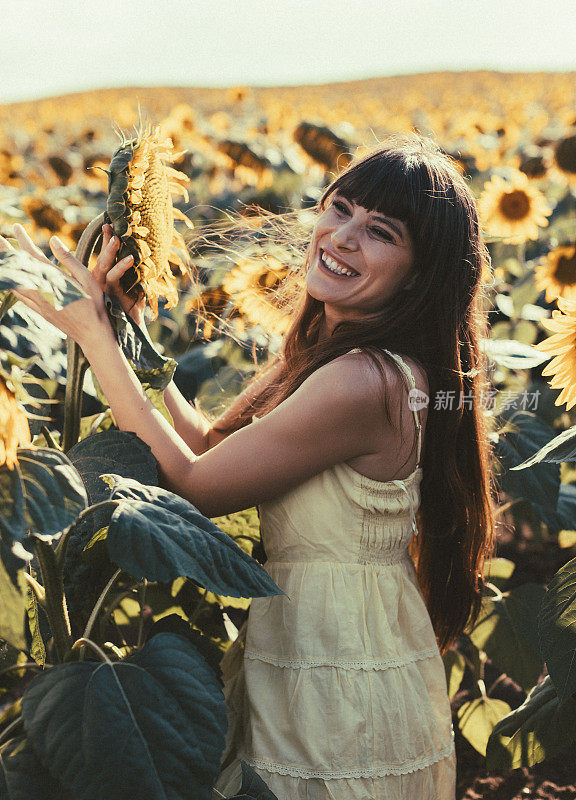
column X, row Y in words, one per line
column 336, row 690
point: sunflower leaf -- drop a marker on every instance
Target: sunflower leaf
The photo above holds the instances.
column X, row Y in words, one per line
column 478, row 718
column 558, row 450
column 151, row 725
column 13, row 605
column 24, row 776
column 157, row 535
column 505, row 630
column 19, row 270
column 556, row 628
column 126, row 454
column 150, row 367
column 528, row 433
column 540, row 728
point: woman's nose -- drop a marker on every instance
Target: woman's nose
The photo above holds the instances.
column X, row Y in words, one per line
column 345, row 235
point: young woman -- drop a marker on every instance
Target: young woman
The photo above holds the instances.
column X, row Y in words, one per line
column 376, row 506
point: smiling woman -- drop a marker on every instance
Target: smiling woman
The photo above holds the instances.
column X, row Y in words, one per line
column 336, row 689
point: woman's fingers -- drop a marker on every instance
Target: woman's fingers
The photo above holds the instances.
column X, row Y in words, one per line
column 31, row 301
column 27, row 244
column 108, row 253
column 5, row 246
column 69, row 260
column 115, row 273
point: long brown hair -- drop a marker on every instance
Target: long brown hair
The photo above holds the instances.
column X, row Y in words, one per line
column 440, row 324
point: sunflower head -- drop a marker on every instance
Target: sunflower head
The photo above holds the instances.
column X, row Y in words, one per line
column 253, row 285
column 323, row 146
column 562, row 344
column 513, row 208
column 557, row 273
column 14, row 430
column 565, row 156
column 140, row 209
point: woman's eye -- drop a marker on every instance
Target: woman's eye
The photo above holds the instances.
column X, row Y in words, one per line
column 340, row 207
column 382, row 233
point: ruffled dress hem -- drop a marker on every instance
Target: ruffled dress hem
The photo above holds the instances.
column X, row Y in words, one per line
column 375, row 772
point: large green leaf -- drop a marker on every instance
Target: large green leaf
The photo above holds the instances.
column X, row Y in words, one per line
column 454, row 667
column 13, row 527
column 22, row 776
column 506, row 631
column 557, row 630
column 157, row 535
column 239, row 781
column 563, row 517
column 541, row 484
column 122, row 452
column 18, row 270
column 53, row 491
column 43, row 494
column 253, row 787
column 12, row 608
column 478, row 718
column 557, row 450
column 152, row 726
column 498, row 571
column 542, row 727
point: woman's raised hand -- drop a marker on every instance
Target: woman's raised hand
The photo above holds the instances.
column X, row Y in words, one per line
column 108, row 275
column 81, row 319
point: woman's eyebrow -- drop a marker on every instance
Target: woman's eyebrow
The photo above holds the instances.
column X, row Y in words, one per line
column 389, row 222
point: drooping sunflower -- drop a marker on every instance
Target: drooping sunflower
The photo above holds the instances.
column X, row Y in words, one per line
column 140, row 187
column 513, row 208
column 565, row 157
column 323, row 145
column 556, row 273
column 14, row 430
column 252, row 285
column 563, row 346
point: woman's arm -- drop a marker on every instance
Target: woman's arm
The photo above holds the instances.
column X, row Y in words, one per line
column 199, row 433
column 335, row 415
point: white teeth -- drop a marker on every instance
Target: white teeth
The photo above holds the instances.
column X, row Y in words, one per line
column 333, row 266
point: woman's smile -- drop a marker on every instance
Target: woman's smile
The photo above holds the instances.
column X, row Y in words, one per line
column 359, row 258
column 335, row 267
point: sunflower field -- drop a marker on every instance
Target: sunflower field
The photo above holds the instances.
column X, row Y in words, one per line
column 81, row 603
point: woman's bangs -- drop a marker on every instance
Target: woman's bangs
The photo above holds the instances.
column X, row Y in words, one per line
column 381, row 185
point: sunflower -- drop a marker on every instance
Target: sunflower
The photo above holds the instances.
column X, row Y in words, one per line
column 322, row 145
column 557, row 273
column 14, row 430
column 563, row 345
column 513, row 208
column 140, row 209
column 252, row 286
column 565, row 157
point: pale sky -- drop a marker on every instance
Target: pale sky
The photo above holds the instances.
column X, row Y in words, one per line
column 61, row 46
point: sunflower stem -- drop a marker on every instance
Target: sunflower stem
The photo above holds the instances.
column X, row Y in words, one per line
column 199, row 606
column 55, row 601
column 76, row 369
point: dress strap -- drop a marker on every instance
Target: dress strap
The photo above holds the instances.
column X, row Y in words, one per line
column 412, row 385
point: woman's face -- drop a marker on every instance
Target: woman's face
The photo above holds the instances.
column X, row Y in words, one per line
column 376, row 249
